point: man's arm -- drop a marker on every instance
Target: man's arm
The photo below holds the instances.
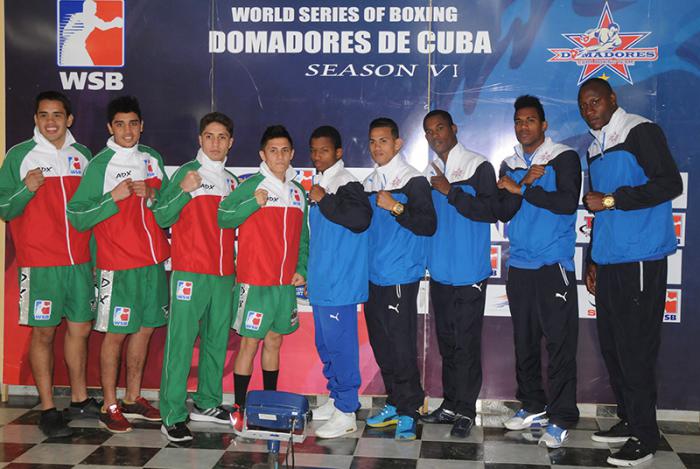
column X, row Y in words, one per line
column 419, row 213
column 89, row 206
column 172, row 198
column 348, row 207
column 648, row 143
column 302, row 260
column 565, row 199
column 505, row 205
column 239, row 205
column 479, row 207
column 14, row 193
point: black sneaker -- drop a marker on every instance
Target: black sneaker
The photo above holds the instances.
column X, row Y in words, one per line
column 214, row 414
column 462, row 427
column 632, row 453
column 440, row 415
column 177, row 432
column 618, row 433
column 88, row 409
column 53, row 424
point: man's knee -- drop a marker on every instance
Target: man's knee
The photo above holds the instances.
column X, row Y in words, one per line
column 273, row 341
column 78, row 330
column 43, row 335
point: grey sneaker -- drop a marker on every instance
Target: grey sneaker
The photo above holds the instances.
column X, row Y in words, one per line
column 214, row 414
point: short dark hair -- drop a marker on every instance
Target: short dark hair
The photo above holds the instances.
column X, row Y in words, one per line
column 275, row 131
column 330, row 132
column 385, row 122
column 599, row 82
column 219, row 118
column 53, row 96
column 123, row 104
column 526, row 101
column 438, row 113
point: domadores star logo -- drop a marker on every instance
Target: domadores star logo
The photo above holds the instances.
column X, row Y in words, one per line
column 605, row 47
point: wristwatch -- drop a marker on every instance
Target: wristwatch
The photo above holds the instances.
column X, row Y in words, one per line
column 397, row 209
column 608, row 202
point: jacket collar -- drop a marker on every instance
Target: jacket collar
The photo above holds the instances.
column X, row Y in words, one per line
column 44, row 143
column 112, row 145
column 288, row 177
column 327, row 176
column 208, row 163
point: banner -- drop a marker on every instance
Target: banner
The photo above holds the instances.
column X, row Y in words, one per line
column 305, row 64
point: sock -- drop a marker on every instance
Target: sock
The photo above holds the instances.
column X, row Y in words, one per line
column 240, row 388
column 270, row 380
column 81, row 403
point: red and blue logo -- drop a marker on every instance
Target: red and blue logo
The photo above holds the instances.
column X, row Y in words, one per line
column 75, row 168
column 184, row 290
column 90, row 33
column 605, row 47
column 121, row 316
column 42, row 310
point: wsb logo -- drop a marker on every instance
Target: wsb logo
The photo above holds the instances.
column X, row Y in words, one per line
column 90, row 33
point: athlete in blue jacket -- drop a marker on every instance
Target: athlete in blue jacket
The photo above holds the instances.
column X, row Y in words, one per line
column 539, row 192
column 337, row 277
column 459, row 261
column 402, row 221
column 633, row 180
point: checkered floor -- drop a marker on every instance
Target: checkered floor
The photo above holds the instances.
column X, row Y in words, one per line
column 22, row 445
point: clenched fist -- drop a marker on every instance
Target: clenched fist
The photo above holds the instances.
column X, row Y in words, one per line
column 122, row 190
column 191, row 181
column 34, row 179
column 385, row 200
column 261, row 197
column 141, row 189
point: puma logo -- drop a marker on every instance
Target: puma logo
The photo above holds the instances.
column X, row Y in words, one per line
column 335, row 316
column 562, row 296
column 394, row 308
column 477, row 286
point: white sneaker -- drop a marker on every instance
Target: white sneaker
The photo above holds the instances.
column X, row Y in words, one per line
column 523, row 419
column 340, row 423
column 325, row 411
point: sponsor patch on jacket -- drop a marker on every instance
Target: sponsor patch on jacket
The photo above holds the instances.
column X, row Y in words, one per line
column 295, row 197
column 42, row 310
column 253, row 320
column 184, row 290
column 149, row 168
column 75, row 167
column 121, row 316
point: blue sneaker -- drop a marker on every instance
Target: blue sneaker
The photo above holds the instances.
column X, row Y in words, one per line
column 524, row 419
column 406, row 428
column 554, row 437
column 387, row 416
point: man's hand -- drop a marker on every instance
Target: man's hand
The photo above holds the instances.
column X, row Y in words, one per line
column 385, row 200
column 298, row 280
column 591, row 271
column 141, row 189
column 594, row 201
column 261, row 197
column 34, row 179
column 122, row 190
column 507, row 183
column 535, row 172
column 191, row 181
column 439, row 181
column 317, row 193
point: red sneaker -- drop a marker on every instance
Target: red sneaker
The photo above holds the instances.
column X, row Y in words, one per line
column 140, row 409
column 114, row 421
column 237, row 418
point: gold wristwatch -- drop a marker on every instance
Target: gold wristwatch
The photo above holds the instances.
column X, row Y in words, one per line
column 608, row 202
column 397, row 209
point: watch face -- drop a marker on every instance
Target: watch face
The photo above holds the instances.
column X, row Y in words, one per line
column 608, row 202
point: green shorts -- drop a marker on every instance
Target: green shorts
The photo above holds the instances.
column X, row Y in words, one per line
column 258, row 310
column 47, row 294
column 132, row 298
